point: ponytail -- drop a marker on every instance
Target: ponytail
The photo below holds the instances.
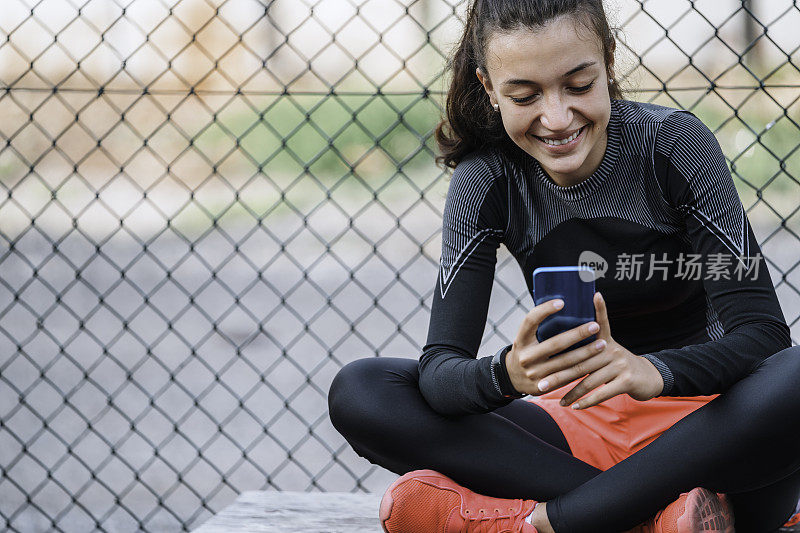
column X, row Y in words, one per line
column 470, row 122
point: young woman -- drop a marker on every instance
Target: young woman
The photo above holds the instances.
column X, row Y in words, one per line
column 683, row 416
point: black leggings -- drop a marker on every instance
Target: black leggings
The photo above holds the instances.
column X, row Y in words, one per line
column 743, row 443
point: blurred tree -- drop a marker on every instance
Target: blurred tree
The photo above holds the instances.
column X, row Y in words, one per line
column 752, row 33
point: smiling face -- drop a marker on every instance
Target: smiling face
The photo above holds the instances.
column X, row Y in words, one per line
column 550, row 85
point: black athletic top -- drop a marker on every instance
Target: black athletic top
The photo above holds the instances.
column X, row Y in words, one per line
column 700, row 305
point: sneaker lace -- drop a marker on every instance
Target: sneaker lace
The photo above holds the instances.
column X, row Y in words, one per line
column 481, row 521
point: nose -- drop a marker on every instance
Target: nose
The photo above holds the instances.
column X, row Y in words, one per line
column 556, row 114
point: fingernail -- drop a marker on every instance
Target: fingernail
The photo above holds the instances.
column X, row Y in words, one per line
column 594, row 327
column 600, row 344
column 601, row 296
column 558, row 304
column 543, row 385
column 576, row 406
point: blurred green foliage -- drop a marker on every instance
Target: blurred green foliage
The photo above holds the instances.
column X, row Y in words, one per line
column 375, row 135
column 307, row 148
column 331, row 136
column 759, row 137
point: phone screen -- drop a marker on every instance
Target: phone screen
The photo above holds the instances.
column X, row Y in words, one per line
column 574, row 285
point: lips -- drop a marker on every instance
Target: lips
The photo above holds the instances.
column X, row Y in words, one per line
column 564, row 147
column 571, row 136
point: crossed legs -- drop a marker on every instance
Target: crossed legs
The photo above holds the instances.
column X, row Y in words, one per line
column 743, row 444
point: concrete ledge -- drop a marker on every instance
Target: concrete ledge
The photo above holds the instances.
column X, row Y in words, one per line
column 297, row 512
column 304, row 512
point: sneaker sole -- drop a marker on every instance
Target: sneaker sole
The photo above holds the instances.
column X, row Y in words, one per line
column 387, row 501
column 706, row 512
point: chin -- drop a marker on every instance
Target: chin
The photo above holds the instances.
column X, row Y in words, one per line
column 564, row 169
column 563, row 165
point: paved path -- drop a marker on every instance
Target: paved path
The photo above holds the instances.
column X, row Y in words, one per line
column 90, row 368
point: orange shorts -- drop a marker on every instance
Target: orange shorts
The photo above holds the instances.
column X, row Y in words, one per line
column 605, row 434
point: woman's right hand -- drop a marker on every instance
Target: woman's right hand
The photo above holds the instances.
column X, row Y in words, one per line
column 528, row 361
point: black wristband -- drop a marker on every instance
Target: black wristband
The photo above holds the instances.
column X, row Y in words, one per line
column 500, row 377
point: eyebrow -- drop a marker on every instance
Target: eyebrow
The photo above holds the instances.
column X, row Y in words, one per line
column 567, row 74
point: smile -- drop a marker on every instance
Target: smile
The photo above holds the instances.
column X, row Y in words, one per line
column 561, row 142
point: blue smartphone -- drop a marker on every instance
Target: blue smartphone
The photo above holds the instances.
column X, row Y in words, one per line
column 574, row 285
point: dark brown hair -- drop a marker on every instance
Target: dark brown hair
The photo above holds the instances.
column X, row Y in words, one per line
column 470, row 123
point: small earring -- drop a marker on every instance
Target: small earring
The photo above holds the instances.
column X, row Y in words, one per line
column 496, row 107
column 611, row 81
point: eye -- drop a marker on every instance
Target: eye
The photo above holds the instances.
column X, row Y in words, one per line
column 583, row 89
column 523, row 100
column 576, row 90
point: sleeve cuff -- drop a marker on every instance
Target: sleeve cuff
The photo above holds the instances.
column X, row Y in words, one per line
column 666, row 373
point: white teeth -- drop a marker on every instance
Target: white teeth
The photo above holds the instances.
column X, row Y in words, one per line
column 562, row 141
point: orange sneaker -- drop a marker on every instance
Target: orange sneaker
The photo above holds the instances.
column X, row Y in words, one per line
column 793, row 521
column 425, row 501
column 696, row 511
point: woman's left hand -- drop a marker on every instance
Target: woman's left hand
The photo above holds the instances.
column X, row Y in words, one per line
column 615, row 370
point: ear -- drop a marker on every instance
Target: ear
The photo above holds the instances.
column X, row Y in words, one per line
column 486, row 82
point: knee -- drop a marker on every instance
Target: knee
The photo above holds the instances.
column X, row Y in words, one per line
column 354, row 395
column 792, row 353
column 785, row 362
column 782, row 369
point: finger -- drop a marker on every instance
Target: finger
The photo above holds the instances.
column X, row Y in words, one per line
column 558, row 343
column 606, row 392
column 601, row 315
column 569, row 366
column 588, row 384
column 527, row 330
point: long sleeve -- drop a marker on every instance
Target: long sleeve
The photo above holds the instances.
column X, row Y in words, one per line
column 697, row 182
column 452, row 379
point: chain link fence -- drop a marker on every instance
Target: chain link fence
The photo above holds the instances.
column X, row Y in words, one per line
column 208, row 207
